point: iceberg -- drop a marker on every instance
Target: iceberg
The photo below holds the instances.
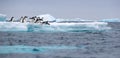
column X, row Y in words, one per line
column 56, row 25
column 2, row 17
column 110, row 20
column 53, row 27
column 73, row 20
column 47, row 17
column 13, row 26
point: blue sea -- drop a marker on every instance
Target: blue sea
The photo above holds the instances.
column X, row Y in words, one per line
column 63, row 38
column 60, row 41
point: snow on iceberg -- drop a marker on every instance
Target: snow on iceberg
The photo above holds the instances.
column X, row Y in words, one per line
column 110, row 20
column 13, row 26
column 53, row 27
column 2, row 17
column 47, row 17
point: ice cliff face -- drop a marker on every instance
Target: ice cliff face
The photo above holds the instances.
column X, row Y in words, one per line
column 54, row 27
column 2, row 17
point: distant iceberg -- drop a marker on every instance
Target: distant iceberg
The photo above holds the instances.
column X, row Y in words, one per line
column 2, row 17
column 110, row 20
column 73, row 20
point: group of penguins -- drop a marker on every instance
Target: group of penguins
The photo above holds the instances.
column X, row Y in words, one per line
column 34, row 19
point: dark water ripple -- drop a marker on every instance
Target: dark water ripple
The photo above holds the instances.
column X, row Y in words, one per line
column 96, row 44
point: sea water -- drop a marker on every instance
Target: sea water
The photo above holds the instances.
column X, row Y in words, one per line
column 32, row 40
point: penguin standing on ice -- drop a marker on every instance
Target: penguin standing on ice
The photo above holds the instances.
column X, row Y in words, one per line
column 11, row 20
column 38, row 20
column 23, row 20
column 33, row 19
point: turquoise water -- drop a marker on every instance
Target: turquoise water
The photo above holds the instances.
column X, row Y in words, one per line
column 33, row 49
column 61, row 44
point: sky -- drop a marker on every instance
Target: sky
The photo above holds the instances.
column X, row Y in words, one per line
column 85, row 9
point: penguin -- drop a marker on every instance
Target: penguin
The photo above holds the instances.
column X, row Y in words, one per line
column 21, row 19
column 24, row 19
column 11, row 20
column 46, row 22
column 39, row 20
